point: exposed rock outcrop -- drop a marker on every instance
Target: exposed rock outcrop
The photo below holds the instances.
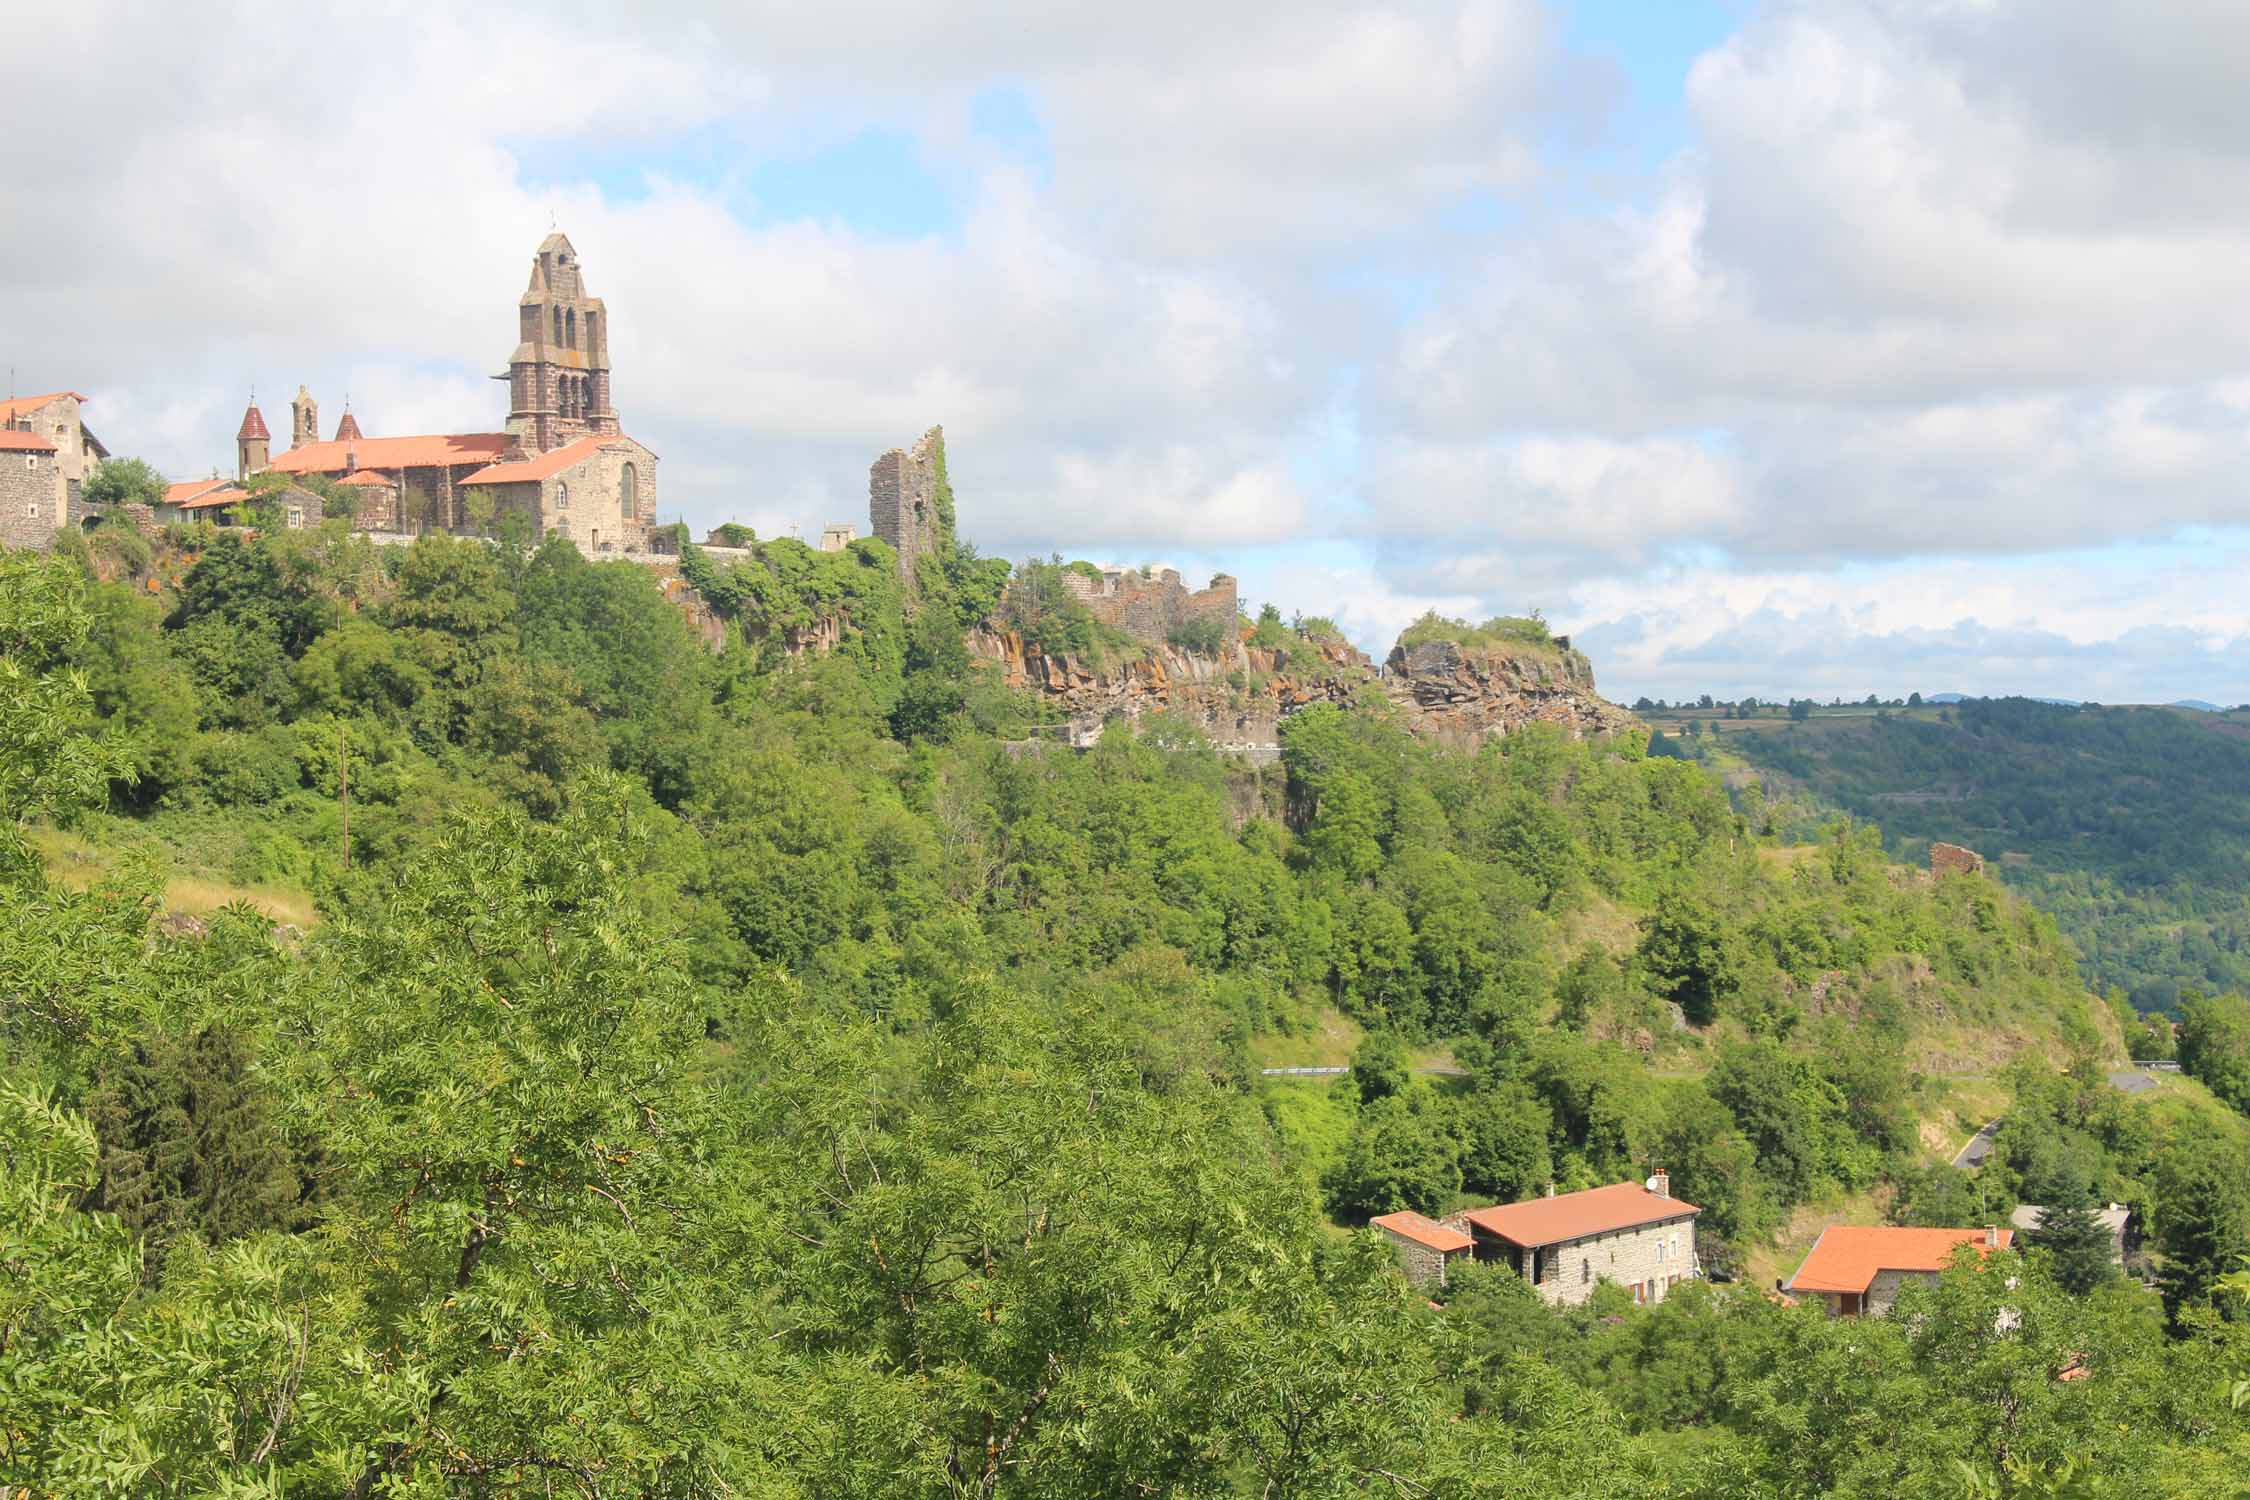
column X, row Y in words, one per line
column 1462, row 694
column 1440, row 690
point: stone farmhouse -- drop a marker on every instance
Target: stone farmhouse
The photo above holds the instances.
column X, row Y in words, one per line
column 1635, row 1234
column 1859, row 1269
column 46, row 452
column 562, row 457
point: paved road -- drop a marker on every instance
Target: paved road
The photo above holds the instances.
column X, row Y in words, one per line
column 2133, row 1082
column 1979, row 1147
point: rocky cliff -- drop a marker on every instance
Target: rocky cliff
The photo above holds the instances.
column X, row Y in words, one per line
column 1461, row 694
column 1446, row 692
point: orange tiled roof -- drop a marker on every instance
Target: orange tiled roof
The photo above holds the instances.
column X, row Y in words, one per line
column 188, row 489
column 16, row 406
column 545, row 465
column 435, row 451
column 1427, row 1233
column 1847, row 1257
column 364, row 476
column 226, row 494
column 1571, row 1216
column 24, row 442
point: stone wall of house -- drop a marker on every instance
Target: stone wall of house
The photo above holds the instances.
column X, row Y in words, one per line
column 902, row 499
column 1422, row 1265
column 30, row 499
column 1953, row 859
column 1656, row 1255
column 1149, row 607
column 376, row 506
column 1883, row 1291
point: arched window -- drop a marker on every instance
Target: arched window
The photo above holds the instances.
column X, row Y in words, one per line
column 629, row 493
column 570, row 328
column 558, row 325
column 562, row 495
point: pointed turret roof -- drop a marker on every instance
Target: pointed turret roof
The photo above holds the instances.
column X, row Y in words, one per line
column 253, row 426
column 348, row 429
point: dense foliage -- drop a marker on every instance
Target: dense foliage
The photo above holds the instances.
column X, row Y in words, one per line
column 2130, row 825
column 717, row 1073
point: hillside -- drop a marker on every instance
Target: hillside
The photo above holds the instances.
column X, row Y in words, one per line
column 2130, row 825
column 804, row 1037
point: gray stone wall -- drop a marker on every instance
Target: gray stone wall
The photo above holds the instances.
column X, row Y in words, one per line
column 1422, row 1265
column 902, row 499
column 30, row 499
column 1653, row 1257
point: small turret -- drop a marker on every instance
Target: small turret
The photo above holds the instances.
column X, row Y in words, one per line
column 347, row 431
column 252, row 443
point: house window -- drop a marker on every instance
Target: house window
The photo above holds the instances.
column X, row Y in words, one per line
column 629, row 493
column 562, row 497
column 296, row 518
column 1585, row 1271
column 32, row 510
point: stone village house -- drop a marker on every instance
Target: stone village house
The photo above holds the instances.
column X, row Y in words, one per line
column 1635, row 1234
column 46, row 453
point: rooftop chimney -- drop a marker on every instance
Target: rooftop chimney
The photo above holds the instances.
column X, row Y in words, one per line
column 1550, row 1190
column 1661, row 1183
column 1992, row 1236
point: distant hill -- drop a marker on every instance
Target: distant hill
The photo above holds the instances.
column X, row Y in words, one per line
column 2209, row 708
column 2131, row 825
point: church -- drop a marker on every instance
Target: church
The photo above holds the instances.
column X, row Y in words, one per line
column 562, row 460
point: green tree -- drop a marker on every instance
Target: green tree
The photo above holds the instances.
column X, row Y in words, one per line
column 123, row 481
column 2077, row 1242
column 1379, row 1066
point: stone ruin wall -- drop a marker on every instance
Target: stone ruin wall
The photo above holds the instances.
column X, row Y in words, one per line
column 1150, row 607
column 902, row 499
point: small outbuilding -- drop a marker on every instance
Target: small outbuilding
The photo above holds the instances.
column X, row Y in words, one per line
column 1425, row 1247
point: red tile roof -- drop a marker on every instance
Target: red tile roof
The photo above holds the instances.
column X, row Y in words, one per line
column 24, row 442
column 253, row 425
column 348, row 429
column 1847, row 1257
column 364, row 476
column 1427, row 1233
column 545, row 465
column 16, row 406
column 226, row 494
column 188, row 489
column 1572, row 1216
column 435, row 451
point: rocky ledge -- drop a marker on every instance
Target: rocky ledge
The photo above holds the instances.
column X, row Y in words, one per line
column 1240, row 697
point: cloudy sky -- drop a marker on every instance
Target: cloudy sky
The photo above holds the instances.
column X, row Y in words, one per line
column 1826, row 347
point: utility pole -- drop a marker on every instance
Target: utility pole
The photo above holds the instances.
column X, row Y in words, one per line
column 344, row 787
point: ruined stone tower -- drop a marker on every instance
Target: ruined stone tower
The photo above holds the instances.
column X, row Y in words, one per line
column 252, row 443
column 304, row 420
column 558, row 378
column 902, row 499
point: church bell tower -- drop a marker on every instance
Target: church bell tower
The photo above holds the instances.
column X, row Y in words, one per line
column 558, row 378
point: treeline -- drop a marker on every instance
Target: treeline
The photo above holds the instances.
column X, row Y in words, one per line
column 764, row 1072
